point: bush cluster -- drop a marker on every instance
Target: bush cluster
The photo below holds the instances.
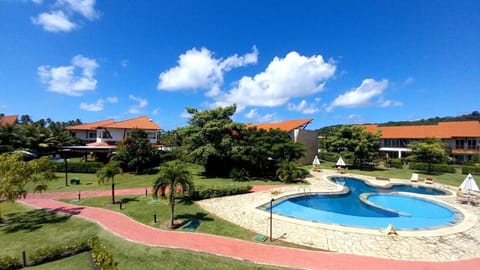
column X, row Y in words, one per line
column 201, row 193
column 395, row 163
column 332, row 157
column 439, row 168
column 99, row 255
column 471, row 169
column 9, row 262
column 79, row 167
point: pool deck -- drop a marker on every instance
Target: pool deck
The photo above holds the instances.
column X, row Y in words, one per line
column 458, row 242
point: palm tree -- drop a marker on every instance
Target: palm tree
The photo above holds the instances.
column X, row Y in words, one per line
column 289, row 172
column 108, row 172
column 172, row 175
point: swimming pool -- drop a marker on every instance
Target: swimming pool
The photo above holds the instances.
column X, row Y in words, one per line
column 371, row 207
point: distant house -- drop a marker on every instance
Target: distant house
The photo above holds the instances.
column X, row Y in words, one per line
column 461, row 137
column 296, row 129
column 8, row 120
column 108, row 132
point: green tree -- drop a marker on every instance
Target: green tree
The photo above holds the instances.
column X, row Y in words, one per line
column 353, row 143
column 171, row 176
column 431, row 151
column 107, row 173
column 15, row 174
column 136, row 153
column 210, row 137
column 260, row 151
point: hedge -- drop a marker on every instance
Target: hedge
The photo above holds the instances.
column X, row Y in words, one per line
column 471, row 169
column 79, row 167
column 99, row 255
column 201, row 193
column 395, row 163
column 332, row 157
column 439, row 168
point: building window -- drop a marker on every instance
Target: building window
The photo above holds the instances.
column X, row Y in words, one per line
column 459, row 144
column 92, row 135
column 471, row 144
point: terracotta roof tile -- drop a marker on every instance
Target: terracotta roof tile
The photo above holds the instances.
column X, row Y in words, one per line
column 443, row 130
column 287, row 126
column 142, row 122
column 8, row 120
column 91, row 126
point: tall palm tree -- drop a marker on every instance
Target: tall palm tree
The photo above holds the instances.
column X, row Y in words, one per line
column 172, row 175
column 108, row 172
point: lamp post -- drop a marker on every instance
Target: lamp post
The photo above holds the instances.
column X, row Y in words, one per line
column 65, row 159
column 271, row 214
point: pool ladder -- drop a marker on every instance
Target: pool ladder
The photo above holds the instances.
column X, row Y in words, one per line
column 307, row 191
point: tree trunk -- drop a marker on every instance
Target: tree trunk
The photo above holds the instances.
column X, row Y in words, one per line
column 113, row 191
column 172, row 210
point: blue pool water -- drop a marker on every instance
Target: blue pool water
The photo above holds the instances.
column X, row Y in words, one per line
column 384, row 207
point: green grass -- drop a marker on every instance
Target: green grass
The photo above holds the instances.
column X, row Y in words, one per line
column 127, row 180
column 142, row 210
column 76, row 262
column 29, row 232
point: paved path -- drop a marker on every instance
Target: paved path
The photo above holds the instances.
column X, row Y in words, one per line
column 127, row 228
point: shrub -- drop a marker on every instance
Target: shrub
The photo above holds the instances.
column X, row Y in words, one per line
column 201, row 193
column 79, row 167
column 395, row 163
column 9, row 262
column 471, row 169
column 239, row 174
column 102, row 258
column 439, row 168
column 329, row 156
column 49, row 254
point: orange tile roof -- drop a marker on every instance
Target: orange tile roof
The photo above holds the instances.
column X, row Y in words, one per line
column 101, row 144
column 287, row 126
column 8, row 120
column 91, row 126
column 442, row 130
column 142, row 122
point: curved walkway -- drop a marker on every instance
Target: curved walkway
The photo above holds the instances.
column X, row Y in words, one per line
column 131, row 230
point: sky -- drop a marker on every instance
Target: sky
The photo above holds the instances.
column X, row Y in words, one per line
column 337, row 62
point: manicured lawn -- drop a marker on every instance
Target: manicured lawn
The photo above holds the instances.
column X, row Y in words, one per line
column 127, row 180
column 31, row 229
column 142, row 209
column 76, row 262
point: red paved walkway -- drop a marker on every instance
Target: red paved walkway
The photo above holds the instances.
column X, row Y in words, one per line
column 129, row 229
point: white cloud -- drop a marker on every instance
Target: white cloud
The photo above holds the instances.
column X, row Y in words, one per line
column 61, row 18
column 55, row 21
column 284, row 78
column 303, row 107
column 155, row 111
column 361, row 96
column 67, row 79
column 389, row 103
column 198, row 69
column 92, row 107
column 256, row 117
column 137, row 108
column 124, row 63
column 112, row 99
column 355, row 118
column 84, row 7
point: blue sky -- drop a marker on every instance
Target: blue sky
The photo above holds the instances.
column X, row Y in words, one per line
column 338, row 62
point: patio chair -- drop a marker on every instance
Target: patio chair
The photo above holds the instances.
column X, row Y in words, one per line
column 429, row 180
column 414, row 177
column 475, row 199
column 461, row 198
